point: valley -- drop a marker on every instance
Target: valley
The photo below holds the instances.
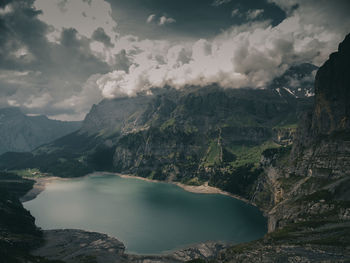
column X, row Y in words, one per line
column 287, row 154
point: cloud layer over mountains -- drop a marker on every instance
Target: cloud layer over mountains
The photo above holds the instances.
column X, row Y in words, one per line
column 58, row 57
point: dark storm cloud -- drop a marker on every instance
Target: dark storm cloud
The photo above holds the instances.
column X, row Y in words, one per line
column 62, row 56
column 101, row 36
column 122, row 62
column 34, row 72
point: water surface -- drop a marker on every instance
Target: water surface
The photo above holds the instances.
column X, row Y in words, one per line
column 148, row 217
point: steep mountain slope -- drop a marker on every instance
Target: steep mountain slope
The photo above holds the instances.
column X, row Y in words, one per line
column 23, row 133
column 298, row 81
column 194, row 135
column 309, row 213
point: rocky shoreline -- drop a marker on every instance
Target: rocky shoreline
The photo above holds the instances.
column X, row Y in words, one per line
column 73, row 245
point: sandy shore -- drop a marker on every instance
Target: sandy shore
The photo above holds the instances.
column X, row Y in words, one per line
column 200, row 189
column 41, row 182
column 38, row 187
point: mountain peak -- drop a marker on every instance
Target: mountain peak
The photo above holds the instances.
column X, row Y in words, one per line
column 332, row 88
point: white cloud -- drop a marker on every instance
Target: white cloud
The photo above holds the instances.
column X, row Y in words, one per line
column 220, row 2
column 160, row 21
column 81, row 101
column 38, row 101
column 253, row 14
column 163, row 20
column 7, row 9
column 84, row 16
column 248, row 55
column 151, row 18
column 235, row 12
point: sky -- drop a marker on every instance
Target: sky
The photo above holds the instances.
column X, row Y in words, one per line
column 59, row 57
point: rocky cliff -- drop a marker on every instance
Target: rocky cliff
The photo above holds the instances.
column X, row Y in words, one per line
column 309, row 209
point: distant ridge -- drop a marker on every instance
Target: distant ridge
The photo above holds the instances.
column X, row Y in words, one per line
column 20, row 133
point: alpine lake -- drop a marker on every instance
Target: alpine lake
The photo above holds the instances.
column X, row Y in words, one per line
column 148, row 217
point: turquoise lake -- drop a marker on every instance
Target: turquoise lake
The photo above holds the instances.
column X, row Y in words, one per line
column 148, row 217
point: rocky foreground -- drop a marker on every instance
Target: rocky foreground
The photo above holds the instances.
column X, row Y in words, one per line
column 72, row 245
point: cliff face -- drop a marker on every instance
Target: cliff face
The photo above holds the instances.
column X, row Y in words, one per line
column 309, row 184
column 320, row 156
column 208, row 135
column 18, row 232
column 192, row 135
column 322, row 145
column 332, row 86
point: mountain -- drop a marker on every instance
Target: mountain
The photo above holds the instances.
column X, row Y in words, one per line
column 190, row 135
column 298, row 81
column 308, row 184
column 242, row 140
column 22, row 133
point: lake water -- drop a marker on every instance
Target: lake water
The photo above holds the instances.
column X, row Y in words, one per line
column 148, row 217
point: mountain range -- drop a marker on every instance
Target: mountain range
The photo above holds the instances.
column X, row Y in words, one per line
column 22, row 133
column 288, row 154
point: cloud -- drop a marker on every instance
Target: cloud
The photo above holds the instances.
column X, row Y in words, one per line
column 80, row 102
column 220, row 2
column 36, row 73
column 250, row 55
column 163, row 20
column 151, row 18
column 253, row 14
column 61, row 59
column 38, row 102
column 84, row 16
column 235, row 12
column 7, row 9
column 100, row 35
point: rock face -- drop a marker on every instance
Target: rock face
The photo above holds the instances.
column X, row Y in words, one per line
column 327, row 128
column 309, row 183
column 332, row 86
column 321, row 152
column 72, row 245
column 18, row 232
column 119, row 115
column 24, row 133
column 193, row 135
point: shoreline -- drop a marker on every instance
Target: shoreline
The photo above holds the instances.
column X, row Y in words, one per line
column 38, row 187
column 187, row 252
column 197, row 189
column 41, row 182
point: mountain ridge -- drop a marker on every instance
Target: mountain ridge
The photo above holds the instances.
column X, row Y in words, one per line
column 24, row 133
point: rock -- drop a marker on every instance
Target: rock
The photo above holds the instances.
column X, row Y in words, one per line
column 71, row 245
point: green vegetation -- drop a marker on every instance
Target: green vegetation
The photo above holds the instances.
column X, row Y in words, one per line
column 29, row 172
column 213, row 155
column 166, row 125
column 192, row 181
column 249, row 154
